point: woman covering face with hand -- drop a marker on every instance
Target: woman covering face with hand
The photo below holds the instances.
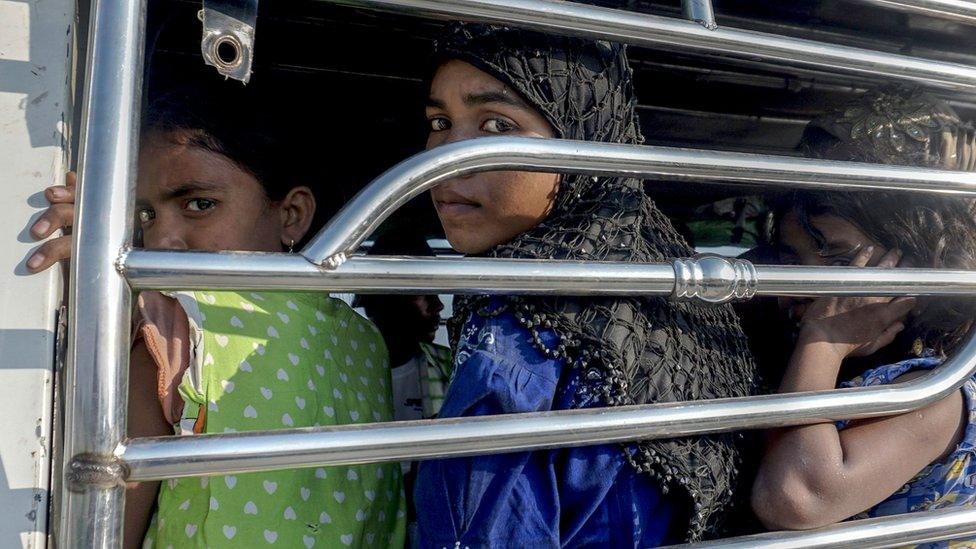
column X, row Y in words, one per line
column 819, row 474
column 531, row 354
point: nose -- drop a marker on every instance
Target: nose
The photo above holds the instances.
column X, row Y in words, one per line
column 164, row 235
column 435, row 304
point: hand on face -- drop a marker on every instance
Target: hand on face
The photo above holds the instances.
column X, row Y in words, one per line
column 857, row 326
column 483, row 210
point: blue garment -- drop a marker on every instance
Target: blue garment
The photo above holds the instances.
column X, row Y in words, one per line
column 573, row 497
column 950, row 482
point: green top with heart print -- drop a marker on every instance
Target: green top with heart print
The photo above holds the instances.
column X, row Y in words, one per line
column 278, row 360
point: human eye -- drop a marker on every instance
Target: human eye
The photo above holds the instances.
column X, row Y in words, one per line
column 145, row 215
column 200, row 204
column 439, row 123
column 498, row 125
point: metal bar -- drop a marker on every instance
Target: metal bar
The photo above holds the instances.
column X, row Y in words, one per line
column 960, row 11
column 699, row 11
column 167, row 270
column 170, row 457
column 364, row 213
column 99, row 300
column 954, row 523
column 654, row 31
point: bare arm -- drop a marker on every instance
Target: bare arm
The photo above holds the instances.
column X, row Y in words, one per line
column 145, row 420
column 815, row 475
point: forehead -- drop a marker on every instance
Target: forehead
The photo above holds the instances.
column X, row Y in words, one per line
column 167, row 163
column 834, row 229
column 462, row 78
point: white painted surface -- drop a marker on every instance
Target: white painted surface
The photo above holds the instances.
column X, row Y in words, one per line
column 34, row 103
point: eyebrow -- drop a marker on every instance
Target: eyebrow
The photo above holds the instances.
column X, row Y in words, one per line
column 483, row 98
column 182, row 190
column 836, row 249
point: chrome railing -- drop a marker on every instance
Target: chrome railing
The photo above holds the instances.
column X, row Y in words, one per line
column 100, row 460
column 653, row 31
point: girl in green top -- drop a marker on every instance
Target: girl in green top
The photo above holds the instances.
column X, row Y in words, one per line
column 215, row 362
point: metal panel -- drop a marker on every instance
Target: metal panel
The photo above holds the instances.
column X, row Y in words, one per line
column 99, row 300
column 577, row 19
column 35, row 100
column 960, row 11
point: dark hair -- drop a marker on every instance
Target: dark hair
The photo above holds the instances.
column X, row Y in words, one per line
column 227, row 121
column 399, row 241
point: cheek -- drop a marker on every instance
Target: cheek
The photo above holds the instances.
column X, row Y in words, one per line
column 522, row 199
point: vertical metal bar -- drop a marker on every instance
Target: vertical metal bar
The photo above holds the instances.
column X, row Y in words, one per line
column 99, row 299
column 699, row 11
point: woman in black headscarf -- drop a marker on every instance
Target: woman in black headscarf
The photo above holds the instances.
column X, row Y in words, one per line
column 535, row 354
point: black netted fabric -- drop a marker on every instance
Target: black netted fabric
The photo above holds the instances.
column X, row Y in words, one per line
column 894, row 126
column 631, row 350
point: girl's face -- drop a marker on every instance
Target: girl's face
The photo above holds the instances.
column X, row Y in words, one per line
column 188, row 198
column 483, row 210
column 842, row 240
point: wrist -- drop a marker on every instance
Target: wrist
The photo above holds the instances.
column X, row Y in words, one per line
column 817, row 339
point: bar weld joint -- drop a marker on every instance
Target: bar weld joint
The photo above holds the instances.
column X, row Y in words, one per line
column 92, row 471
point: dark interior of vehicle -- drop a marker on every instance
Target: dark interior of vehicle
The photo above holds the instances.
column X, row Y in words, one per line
column 351, row 84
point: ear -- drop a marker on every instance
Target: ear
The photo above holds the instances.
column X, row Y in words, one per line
column 297, row 209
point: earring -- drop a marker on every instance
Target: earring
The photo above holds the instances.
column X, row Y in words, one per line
column 291, row 246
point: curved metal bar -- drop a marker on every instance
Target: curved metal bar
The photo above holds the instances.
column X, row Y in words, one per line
column 960, row 11
column 170, row 457
column 954, row 523
column 167, row 270
column 383, row 196
column 639, row 29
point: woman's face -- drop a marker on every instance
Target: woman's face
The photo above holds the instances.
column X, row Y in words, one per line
column 483, row 210
column 842, row 241
column 188, row 198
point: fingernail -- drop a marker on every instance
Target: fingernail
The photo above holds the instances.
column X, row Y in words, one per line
column 35, row 261
column 869, row 249
column 57, row 192
column 42, row 226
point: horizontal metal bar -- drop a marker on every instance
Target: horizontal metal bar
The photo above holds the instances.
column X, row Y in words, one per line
column 165, row 270
column 960, row 11
column 169, row 457
column 655, row 31
column 953, row 523
column 368, row 209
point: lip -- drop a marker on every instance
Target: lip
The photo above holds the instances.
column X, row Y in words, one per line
column 449, row 202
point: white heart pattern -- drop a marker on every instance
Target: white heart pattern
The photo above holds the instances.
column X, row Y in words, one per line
column 230, row 531
column 364, row 380
column 320, row 369
column 208, row 360
column 360, row 515
column 246, row 366
column 339, row 496
column 312, row 330
column 190, row 530
column 351, row 474
column 354, row 344
column 291, row 305
column 329, row 411
column 258, row 297
column 320, row 316
column 213, row 504
column 293, row 358
column 306, row 493
column 300, row 402
column 311, row 385
column 354, row 415
column 259, row 349
column 250, row 508
column 346, row 539
column 209, row 298
column 185, row 505
column 250, row 412
column 371, row 495
column 282, row 375
column 284, row 318
column 324, row 518
column 303, row 343
column 212, row 406
column 309, row 541
column 337, row 393
column 320, row 473
column 270, row 487
column 230, row 481
column 287, row 420
column 270, row 536
column 247, row 306
column 227, row 385
column 221, row 340
column 236, row 322
column 290, row 514
column 272, row 332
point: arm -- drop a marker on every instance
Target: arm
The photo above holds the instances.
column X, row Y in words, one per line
column 145, row 419
column 816, row 475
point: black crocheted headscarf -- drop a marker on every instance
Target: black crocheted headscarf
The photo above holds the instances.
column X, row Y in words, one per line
column 631, row 350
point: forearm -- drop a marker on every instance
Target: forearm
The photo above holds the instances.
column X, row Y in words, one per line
column 804, row 465
column 140, row 499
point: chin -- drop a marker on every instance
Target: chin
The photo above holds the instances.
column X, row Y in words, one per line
column 466, row 245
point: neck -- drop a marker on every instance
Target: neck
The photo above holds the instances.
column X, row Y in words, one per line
column 401, row 349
